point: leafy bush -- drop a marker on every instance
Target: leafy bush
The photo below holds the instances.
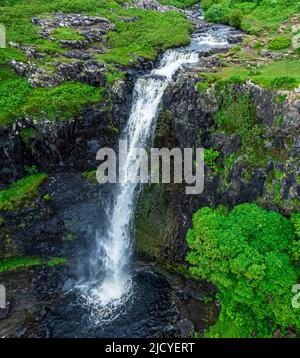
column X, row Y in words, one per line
column 217, row 13
column 280, row 43
column 206, row 4
column 235, row 17
column 247, row 254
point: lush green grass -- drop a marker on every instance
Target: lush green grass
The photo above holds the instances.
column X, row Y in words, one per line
column 210, row 157
column 150, row 33
column 181, row 4
column 21, row 192
column 67, row 33
column 282, row 74
column 18, row 98
column 15, row 263
column 256, row 16
column 153, row 32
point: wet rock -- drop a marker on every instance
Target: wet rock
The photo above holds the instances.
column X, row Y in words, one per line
column 4, row 312
column 186, row 328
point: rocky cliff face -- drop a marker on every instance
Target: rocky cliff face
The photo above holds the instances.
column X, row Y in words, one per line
column 257, row 162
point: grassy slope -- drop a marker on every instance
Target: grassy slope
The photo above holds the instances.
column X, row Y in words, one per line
column 271, row 28
column 151, row 33
column 21, row 192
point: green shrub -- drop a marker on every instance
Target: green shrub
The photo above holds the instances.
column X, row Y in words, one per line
column 217, row 13
column 280, row 43
column 247, row 253
column 206, row 4
column 235, row 17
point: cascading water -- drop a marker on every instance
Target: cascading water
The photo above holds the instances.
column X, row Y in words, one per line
column 111, row 298
column 110, row 283
column 115, row 247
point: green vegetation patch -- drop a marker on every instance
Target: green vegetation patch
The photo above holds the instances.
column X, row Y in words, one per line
column 181, row 4
column 90, row 176
column 18, row 98
column 12, row 264
column 54, row 261
column 252, row 16
column 67, row 33
column 280, row 43
column 145, row 36
column 251, row 255
column 15, row 263
column 210, row 157
column 153, row 32
column 282, row 74
column 22, row 192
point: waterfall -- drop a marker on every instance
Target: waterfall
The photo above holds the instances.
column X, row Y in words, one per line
column 116, row 245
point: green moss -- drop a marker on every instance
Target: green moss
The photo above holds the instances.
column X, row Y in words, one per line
column 22, row 192
column 90, row 176
column 154, row 220
column 54, row 261
column 236, row 114
column 12, row 264
column 69, row 237
column 202, row 87
column 15, row 263
column 13, row 93
column 28, row 135
column 210, row 157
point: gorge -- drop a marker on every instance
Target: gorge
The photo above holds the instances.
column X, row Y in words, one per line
column 109, row 260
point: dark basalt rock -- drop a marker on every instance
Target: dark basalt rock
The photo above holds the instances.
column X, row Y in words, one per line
column 187, row 120
column 186, row 328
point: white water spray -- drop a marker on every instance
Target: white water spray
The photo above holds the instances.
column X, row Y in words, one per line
column 116, row 245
